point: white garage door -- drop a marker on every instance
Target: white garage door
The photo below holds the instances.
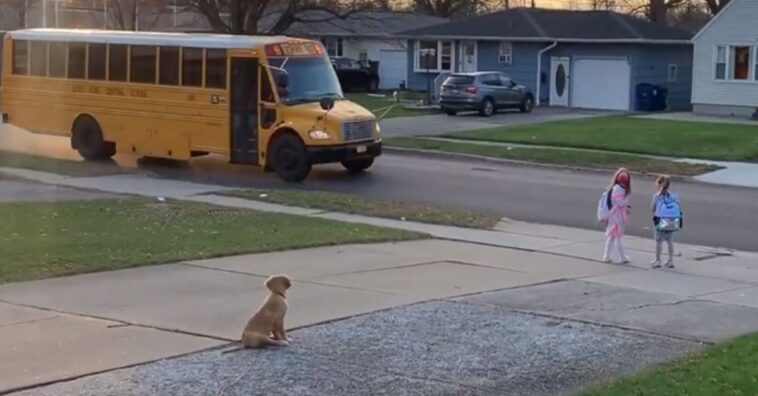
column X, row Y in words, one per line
column 601, row 84
column 393, row 67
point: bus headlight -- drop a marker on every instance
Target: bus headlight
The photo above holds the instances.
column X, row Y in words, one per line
column 378, row 129
column 319, row 135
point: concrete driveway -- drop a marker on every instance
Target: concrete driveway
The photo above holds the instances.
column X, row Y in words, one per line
column 442, row 124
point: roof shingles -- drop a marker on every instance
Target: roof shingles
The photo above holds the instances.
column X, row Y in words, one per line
column 533, row 23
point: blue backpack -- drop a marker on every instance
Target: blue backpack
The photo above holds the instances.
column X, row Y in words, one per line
column 668, row 212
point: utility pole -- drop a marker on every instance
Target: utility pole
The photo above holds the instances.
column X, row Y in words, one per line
column 44, row 13
column 56, row 12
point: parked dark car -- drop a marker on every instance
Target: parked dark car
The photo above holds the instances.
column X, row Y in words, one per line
column 485, row 92
column 355, row 76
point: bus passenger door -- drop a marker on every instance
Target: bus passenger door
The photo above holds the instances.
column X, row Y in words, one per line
column 244, row 111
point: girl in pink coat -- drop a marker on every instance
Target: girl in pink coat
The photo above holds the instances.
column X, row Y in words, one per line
column 620, row 189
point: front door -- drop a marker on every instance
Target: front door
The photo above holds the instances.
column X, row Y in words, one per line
column 243, row 111
column 468, row 56
column 559, row 82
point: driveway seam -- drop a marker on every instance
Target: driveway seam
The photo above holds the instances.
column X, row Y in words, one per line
column 590, row 322
column 118, row 321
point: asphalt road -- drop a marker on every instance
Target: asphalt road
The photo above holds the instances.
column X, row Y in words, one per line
column 715, row 215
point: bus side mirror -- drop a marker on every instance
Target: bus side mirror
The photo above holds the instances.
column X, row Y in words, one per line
column 282, row 83
column 282, row 80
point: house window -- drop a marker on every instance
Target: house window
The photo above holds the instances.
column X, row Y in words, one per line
column 333, row 46
column 505, row 55
column 721, row 63
column 740, row 63
column 673, row 74
column 434, row 56
column 736, row 63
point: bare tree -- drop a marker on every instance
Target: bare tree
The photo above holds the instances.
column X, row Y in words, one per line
column 658, row 10
column 450, row 8
column 598, row 5
column 13, row 12
column 716, row 5
column 133, row 14
column 271, row 16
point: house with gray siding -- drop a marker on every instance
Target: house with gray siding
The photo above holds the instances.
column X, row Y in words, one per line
column 579, row 59
column 725, row 62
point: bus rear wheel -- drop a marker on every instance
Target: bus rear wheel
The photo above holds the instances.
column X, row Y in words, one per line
column 87, row 139
column 289, row 158
column 358, row 165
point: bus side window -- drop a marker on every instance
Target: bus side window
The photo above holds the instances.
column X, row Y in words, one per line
column 117, row 62
column 192, row 67
column 77, row 55
column 57, row 66
column 20, row 57
column 169, row 66
column 268, row 114
column 215, row 68
column 143, row 64
column 267, row 92
column 96, row 61
column 38, row 61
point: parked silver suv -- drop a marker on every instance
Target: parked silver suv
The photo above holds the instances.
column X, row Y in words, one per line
column 484, row 91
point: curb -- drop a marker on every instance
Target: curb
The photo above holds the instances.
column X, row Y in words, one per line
column 434, row 154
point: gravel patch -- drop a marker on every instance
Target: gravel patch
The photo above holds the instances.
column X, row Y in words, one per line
column 435, row 348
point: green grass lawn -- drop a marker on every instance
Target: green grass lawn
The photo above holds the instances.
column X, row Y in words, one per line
column 40, row 240
column 725, row 369
column 634, row 135
column 589, row 159
column 378, row 105
column 54, row 165
column 372, row 207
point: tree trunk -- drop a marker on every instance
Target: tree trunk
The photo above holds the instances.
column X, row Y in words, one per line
column 658, row 11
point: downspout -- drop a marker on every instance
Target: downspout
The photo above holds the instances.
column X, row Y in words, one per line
column 538, row 93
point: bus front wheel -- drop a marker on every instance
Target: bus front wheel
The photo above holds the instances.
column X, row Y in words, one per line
column 358, row 165
column 87, row 139
column 289, row 158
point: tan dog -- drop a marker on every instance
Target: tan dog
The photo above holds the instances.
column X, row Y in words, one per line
column 266, row 327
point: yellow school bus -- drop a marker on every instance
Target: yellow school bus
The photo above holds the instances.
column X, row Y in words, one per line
column 271, row 101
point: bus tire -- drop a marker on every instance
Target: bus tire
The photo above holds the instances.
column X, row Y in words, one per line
column 358, row 165
column 289, row 158
column 87, row 139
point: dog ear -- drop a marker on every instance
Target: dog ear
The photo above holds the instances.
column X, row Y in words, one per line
column 287, row 282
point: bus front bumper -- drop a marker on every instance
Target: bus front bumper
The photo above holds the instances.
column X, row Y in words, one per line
column 329, row 154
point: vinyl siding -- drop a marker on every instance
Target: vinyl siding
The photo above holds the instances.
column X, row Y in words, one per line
column 736, row 25
column 648, row 63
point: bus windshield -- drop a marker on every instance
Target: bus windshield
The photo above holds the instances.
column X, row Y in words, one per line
column 310, row 79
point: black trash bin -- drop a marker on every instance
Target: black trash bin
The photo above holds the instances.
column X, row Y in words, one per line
column 651, row 97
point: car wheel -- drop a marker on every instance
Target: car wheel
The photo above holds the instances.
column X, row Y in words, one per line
column 358, row 165
column 87, row 139
column 487, row 108
column 527, row 105
column 289, row 158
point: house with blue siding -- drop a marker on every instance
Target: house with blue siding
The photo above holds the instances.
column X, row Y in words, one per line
column 579, row 59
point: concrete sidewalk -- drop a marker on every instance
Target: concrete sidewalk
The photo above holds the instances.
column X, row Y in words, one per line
column 138, row 315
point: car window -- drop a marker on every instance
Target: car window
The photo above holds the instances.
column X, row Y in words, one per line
column 459, row 80
column 504, row 80
column 491, row 80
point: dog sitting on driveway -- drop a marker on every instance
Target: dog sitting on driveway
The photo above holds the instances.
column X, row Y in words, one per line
column 266, row 327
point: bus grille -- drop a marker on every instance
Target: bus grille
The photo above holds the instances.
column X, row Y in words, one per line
column 357, row 130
